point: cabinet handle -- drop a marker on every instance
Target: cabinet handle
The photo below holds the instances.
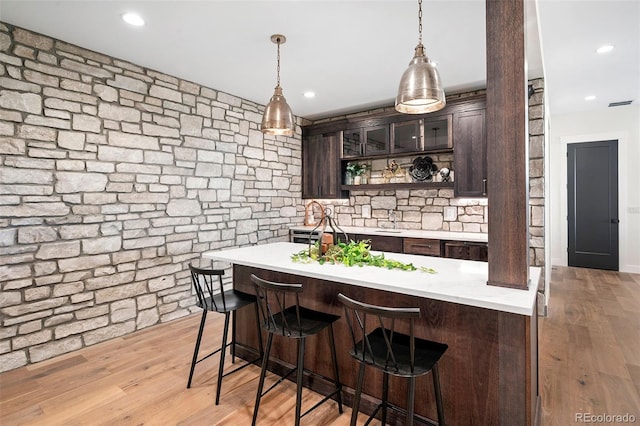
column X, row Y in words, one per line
column 484, row 186
column 422, row 245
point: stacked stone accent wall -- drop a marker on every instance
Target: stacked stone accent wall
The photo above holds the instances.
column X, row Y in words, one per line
column 113, row 179
column 537, row 247
column 426, row 209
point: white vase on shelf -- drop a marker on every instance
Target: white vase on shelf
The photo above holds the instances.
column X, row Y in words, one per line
column 348, row 179
column 357, row 180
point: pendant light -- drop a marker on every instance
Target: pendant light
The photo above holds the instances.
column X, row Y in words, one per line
column 420, row 90
column 278, row 118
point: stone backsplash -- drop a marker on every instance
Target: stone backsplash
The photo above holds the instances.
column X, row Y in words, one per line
column 113, row 179
column 426, row 209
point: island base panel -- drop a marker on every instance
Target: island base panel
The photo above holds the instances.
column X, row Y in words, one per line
column 488, row 375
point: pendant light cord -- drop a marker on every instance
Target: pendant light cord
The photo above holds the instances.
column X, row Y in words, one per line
column 278, row 68
column 419, row 21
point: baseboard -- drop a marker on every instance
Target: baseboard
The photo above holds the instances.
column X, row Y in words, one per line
column 631, row 269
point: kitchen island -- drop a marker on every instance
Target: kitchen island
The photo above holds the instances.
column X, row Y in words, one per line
column 489, row 373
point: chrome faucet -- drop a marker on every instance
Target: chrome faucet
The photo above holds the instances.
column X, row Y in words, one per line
column 392, row 218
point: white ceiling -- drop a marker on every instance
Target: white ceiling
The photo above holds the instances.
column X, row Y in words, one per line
column 351, row 53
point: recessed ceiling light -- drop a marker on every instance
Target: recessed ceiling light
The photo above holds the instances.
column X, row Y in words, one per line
column 133, row 19
column 589, row 98
column 309, row 94
column 605, row 48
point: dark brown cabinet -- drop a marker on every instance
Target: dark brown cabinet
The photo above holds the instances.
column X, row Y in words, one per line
column 470, row 153
column 438, row 132
column 466, row 250
column 352, row 143
column 321, row 166
column 405, row 137
column 459, row 127
column 381, row 242
column 365, row 142
column 422, row 246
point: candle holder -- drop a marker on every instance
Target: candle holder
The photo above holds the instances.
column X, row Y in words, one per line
column 328, row 237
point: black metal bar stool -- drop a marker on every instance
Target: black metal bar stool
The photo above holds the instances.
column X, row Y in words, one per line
column 392, row 352
column 282, row 317
column 212, row 297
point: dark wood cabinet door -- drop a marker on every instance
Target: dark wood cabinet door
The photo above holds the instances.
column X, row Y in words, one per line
column 321, row 166
column 405, row 137
column 438, row 133
column 422, row 246
column 376, row 140
column 352, row 143
column 470, row 154
column 466, row 250
column 383, row 243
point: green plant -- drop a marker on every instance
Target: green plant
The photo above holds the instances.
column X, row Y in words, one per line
column 356, row 169
column 354, row 254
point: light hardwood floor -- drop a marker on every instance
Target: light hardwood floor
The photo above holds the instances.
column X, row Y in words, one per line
column 589, row 347
column 589, row 363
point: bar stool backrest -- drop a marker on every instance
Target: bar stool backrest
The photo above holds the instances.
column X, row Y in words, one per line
column 276, row 304
column 375, row 338
column 208, row 286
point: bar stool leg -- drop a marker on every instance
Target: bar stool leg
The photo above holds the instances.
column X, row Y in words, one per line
column 197, row 348
column 300, row 362
column 385, row 397
column 263, row 371
column 410, row 400
column 336, row 375
column 233, row 338
column 223, row 350
column 259, row 329
column 358, row 394
column 436, row 388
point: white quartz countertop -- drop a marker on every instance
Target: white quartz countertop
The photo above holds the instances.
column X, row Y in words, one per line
column 474, row 237
column 457, row 281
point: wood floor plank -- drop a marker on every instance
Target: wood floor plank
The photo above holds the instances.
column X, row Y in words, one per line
column 589, row 358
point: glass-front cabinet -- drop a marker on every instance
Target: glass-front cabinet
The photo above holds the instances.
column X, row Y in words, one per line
column 437, row 133
column 352, row 143
column 426, row 134
column 368, row 141
column 376, row 140
column 406, row 137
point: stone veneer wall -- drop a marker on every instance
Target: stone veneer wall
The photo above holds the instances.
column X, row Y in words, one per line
column 427, row 209
column 537, row 246
column 113, row 178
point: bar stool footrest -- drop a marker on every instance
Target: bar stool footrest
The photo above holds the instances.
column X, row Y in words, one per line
column 421, row 419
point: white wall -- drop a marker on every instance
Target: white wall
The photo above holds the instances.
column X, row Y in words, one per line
column 623, row 124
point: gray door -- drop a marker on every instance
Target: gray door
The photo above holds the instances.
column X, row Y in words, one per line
column 592, row 192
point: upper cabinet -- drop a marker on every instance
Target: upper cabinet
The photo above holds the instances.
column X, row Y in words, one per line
column 406, row 136
column 459, row 128
column 352, row 143
column 365, row 141
column 470, row 153
column 438, row 132
column 321, row 173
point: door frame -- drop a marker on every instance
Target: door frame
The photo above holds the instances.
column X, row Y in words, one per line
column 623, row 237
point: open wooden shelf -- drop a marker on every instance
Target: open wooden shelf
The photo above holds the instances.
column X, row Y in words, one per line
column 399, row 185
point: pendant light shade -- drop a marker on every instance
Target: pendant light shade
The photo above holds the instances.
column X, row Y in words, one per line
column 420, row 90
column 278, row 118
